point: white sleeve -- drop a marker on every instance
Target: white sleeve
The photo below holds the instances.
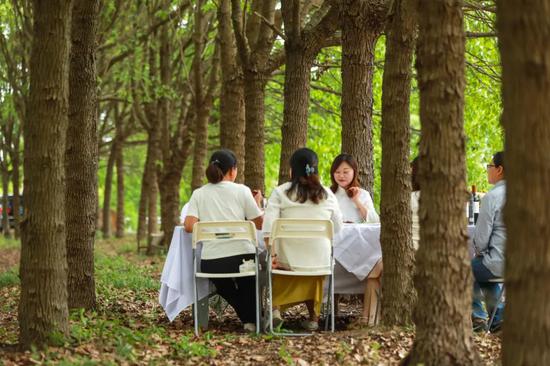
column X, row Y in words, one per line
column 336, row 217
column 272, row 211
column 193, row 205
column 372, row 216
column 251, row 209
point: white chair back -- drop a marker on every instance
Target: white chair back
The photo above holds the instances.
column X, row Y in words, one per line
column 224, row 230
column 303, row 244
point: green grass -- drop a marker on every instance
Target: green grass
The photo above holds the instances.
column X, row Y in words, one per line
column 9, row 278
column 9, row 243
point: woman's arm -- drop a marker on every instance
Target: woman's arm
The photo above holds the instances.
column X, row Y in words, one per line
column 189, row 223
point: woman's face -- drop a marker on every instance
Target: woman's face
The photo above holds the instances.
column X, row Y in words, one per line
column 343, row 175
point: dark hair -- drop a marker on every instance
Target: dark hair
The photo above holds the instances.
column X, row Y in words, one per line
column 414, row 175
column 220, row 163
column 498, row 159
column 344, row 158
column 305, row 183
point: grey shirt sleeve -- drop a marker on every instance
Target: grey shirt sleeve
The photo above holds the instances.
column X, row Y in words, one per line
column 484, row 225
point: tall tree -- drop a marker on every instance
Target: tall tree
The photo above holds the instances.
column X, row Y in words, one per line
column 302, row 44
column 395, row 205
column 43, row 270
column 362, row 23
column 81, row 157
column 254, row 44
column 524, row 28
column 443, row 277
column 232, row 122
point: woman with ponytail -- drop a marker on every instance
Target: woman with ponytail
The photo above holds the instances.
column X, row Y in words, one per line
column 305, row 198
column 223, row 200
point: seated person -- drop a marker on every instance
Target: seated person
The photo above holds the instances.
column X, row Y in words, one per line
column 357, row 206
column 303, row 197
column 489, row 243
column 223, row 200
column 415, row 198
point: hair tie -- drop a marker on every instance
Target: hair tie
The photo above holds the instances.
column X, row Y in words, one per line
column 309, row 170
column 215, row 162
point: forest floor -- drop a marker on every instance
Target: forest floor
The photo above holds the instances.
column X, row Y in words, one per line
column 130, row 328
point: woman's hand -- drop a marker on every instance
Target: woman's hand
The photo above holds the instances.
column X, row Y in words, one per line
column 258, row 197
column 354, row 193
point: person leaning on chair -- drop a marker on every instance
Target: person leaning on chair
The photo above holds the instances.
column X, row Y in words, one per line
column 302, row 198
column 223, row 200
column 489, row 244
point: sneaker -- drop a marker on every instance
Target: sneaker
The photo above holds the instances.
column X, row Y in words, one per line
column 277, row 319
column 310, row 325
column 479, row 325
column 249, row 327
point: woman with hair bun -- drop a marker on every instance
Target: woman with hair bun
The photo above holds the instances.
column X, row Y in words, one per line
column 303, row 198
column 223, row 200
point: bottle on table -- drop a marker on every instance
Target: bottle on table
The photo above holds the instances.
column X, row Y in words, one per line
column 475, row 199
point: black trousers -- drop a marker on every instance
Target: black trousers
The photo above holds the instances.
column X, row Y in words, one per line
column 240, row 292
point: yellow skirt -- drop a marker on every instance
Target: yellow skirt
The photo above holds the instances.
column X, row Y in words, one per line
column 292, row 290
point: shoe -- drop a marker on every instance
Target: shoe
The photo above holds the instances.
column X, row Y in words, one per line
column 310, row 325
column 479, row 325
column 496, row 327
column 277, row 319
column 249, row 327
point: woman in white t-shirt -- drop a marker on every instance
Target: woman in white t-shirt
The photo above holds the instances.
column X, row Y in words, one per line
column 302, row 198
column 357, row 207
column 223, row 200
column 415, row 199
column 355, row 202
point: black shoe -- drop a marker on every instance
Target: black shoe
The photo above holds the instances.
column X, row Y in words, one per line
column 496, row 327
column 479, row 325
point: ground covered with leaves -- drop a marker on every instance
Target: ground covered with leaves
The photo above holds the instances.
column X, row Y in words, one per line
column 129, row 327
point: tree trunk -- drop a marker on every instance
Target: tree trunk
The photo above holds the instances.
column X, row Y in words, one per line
column 254, row 95
column 523, row 29
column 395, row 207
column 444, row 277
column 43, row 307
column 5, row 202
column 232, row 120
column 142, row 210
column 152, row 186
column 120, row 190
column 296, row 104
column 15, row 180
column 108, row 189
column 81, row 156
column 362, row 24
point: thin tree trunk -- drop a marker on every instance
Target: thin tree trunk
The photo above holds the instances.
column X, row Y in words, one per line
column 232, row 119
column 296, row 105
column 142, row 210
column 16, row 164
column 444, row 277
column 523, row 29
column 362, row 24
column 395, row 206
column 81, row 156
column 43, row 308
column 120, row 191
column 5, row 202
column 107, row 191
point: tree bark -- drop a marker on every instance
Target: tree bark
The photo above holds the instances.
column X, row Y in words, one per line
column 362, row 23
column 107, row 191
column 232, row 119
column 43, row 307
column 120, row 216
column 5, row 202
column 81, row 156
column 444, row 278
column 15, row 180
column 523, row 29
column 395, row 207
column 142, row 210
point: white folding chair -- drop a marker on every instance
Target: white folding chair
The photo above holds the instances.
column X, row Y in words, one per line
column 303, row 229
column 499, row 301
column 223, row 230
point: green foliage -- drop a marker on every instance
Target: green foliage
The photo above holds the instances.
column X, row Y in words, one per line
column 9, row 277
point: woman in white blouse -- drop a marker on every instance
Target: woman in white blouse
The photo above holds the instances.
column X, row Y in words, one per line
column 357, row 206
column 303, row 198
column 223, row 200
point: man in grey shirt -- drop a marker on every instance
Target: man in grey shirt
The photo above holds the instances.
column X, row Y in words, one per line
column 489, row 243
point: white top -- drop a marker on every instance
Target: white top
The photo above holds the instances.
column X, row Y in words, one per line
column 281, row 206
column 224, row 201
column 415, row 197
column 350, row 212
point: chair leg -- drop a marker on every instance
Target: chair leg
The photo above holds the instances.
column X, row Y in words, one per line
column 257, row 295
column 493, row 313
